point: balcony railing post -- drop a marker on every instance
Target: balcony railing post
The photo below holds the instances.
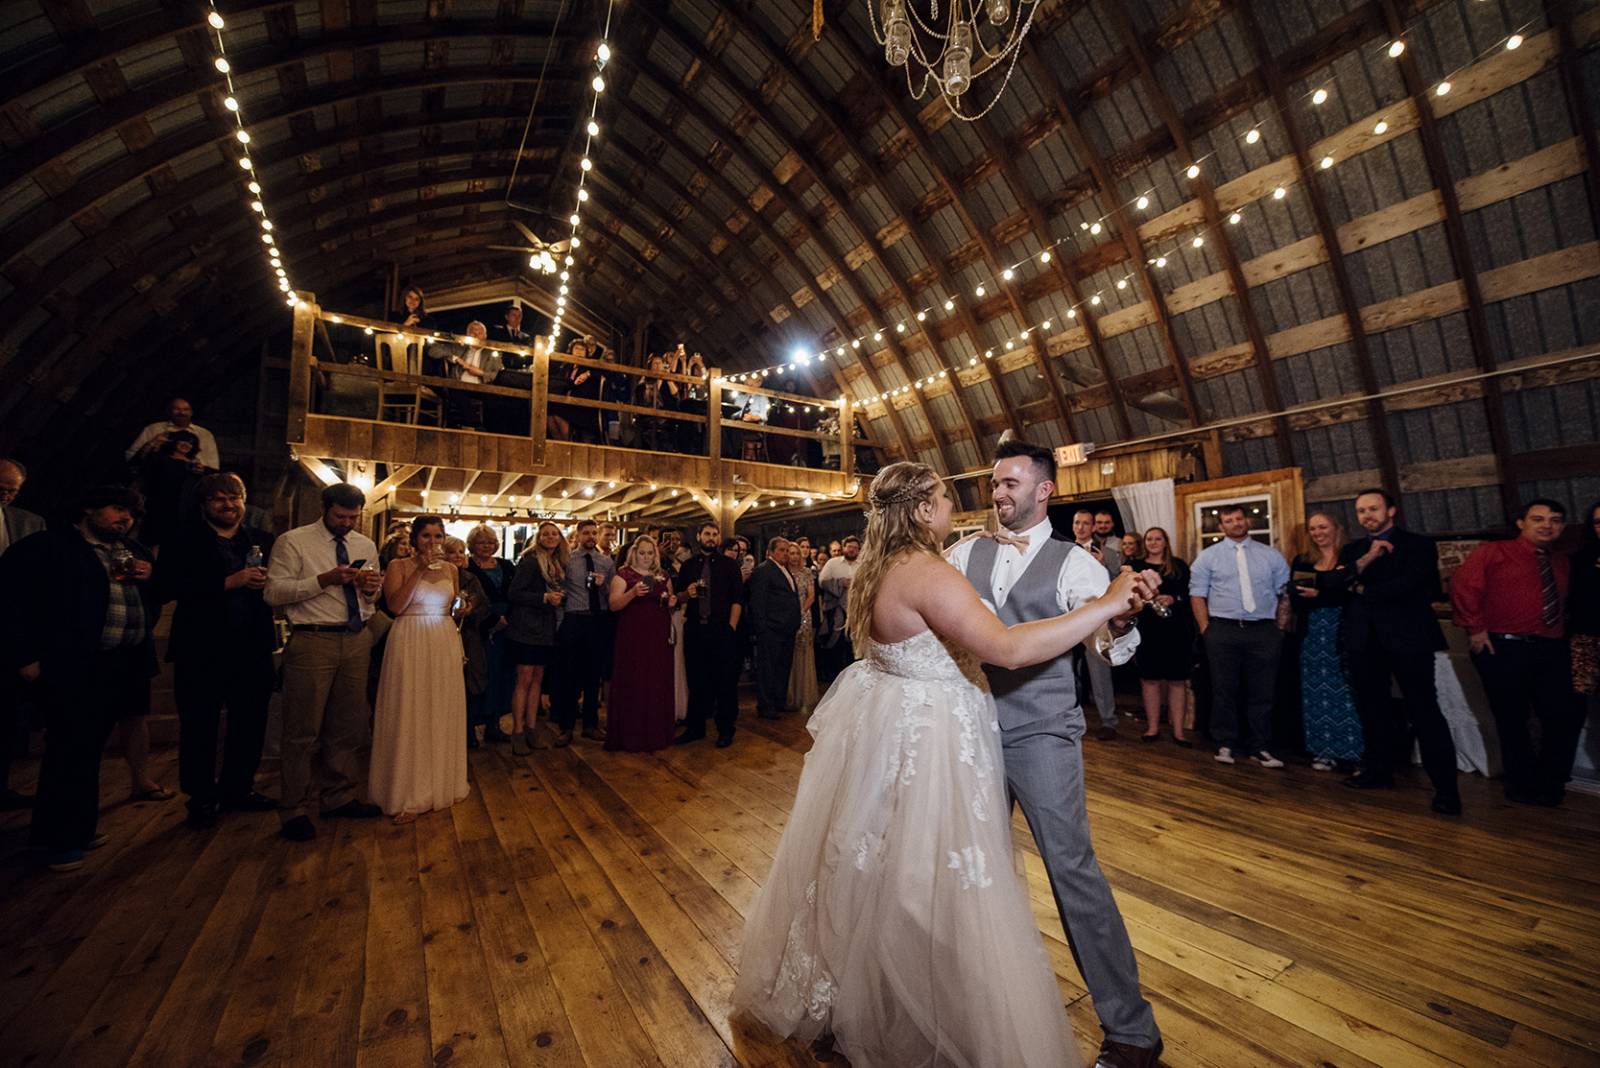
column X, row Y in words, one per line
column 714, row 424
column 306, row 317
column 847, row 440
column 539, row 406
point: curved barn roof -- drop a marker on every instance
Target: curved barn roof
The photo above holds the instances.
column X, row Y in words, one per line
column 762, row 191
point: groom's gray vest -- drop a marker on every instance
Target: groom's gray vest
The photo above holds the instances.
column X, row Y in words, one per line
column 1027, row 695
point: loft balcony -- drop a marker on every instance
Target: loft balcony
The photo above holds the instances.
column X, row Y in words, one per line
column 556, row 435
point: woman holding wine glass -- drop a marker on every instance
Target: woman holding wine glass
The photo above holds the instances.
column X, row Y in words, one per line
column 419, row 742
column 641, row 715
column 536, row 595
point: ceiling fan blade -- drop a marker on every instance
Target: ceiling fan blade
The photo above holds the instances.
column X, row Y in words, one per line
column 532, row 237
column 515, row 248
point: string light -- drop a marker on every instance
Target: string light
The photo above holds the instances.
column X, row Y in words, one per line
column 1319, row 97
column 1513, row 42
column 591, row 130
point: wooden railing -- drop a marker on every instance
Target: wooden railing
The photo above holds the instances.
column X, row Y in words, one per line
column 358, row 370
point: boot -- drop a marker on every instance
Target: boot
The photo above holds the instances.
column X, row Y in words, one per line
column 519, row 745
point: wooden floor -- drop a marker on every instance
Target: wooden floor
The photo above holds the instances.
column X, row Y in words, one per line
column 583, row 907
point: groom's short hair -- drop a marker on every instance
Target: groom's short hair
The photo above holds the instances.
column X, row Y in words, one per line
column 1044, row 461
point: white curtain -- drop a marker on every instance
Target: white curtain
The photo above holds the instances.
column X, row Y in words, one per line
column 1147, row 504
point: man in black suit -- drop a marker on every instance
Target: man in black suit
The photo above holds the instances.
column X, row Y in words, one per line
column 222, row 642
column 15, row 524
column 1390, row 631
column 775, row 619
column 78, row 620
column 713, row 593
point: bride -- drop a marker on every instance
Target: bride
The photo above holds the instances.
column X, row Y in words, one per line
column 892, row 918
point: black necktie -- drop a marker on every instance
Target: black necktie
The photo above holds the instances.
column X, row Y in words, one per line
column 1549, row 595
column 352, row 607
column 588, row 576
column 705, row 588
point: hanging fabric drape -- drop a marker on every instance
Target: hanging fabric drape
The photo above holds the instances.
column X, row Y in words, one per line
column 1147, row 504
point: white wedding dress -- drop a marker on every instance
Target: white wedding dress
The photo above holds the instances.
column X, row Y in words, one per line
column 892, row 916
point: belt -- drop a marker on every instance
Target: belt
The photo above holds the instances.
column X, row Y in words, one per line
column 323, row 628
column 1244, row 622
column 1521, row 638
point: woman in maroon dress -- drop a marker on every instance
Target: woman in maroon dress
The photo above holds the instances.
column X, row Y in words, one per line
column 640, row 715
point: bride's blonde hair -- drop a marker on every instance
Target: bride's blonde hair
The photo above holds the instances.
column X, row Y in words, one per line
column 892, row 531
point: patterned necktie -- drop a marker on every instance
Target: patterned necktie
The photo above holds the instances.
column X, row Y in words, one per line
column 1247, row 596
column 588, row 577
column 352, row 607
column 1549, row 596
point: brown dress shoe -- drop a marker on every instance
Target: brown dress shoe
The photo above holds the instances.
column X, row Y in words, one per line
column 1121, row 1055
column 563, row 739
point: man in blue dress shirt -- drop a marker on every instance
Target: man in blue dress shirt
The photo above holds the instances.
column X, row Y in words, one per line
column 1237, row 590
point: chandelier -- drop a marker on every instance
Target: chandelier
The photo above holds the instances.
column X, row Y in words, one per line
column 950, row 50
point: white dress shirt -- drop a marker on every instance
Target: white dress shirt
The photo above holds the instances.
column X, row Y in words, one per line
column 208, row 444
column 298, row 558
column 1082, row 578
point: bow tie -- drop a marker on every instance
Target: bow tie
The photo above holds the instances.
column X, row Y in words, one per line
column 1005, row 538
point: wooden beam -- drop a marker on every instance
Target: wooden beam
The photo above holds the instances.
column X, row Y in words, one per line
column 1378, row 424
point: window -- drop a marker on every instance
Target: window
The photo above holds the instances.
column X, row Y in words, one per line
column 1208, row 518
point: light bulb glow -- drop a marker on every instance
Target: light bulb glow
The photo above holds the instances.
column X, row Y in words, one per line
column 243, row 136
column 1279, row 193
column 585, row 165
column 1397, row 49
column 244, row 161
column 222, row 65
column 599, row 84
column 1142, row 203
column 1122, row 283
column 603, row 53
column 1095, row 300
column 230, row 103
column 1441, row 89
column 1161, row 261
column 1198, row 242
column 215, row 20
column 583, row 196
column 1233, row 220
column 1008, row 274
column 1193, row 171
column 1327, row 161
column 573, row 219
column 1096, row 228
column 1044, row 257
column 1514, row 42
column 1319, row 97
column 254, row 187
column 1380, row 129
column 949, row 305
column 980, row 291
column 256, row 205
column 1252, row 137
column 593, row 129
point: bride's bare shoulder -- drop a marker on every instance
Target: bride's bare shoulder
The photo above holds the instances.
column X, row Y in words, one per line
column 916, row 571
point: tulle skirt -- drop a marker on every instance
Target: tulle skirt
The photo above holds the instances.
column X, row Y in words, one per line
column 893, row 917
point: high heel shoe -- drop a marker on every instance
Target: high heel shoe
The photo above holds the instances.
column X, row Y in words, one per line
column 519, row 744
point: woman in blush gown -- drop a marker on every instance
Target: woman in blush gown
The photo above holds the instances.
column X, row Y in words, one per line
column 892, row 918
column 419, row 723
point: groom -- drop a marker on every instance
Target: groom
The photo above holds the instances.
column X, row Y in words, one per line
column 1029, row 573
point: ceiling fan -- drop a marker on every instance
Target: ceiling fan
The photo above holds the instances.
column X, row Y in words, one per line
column 542, row 255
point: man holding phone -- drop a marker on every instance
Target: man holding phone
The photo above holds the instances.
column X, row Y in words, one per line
column 320, row 575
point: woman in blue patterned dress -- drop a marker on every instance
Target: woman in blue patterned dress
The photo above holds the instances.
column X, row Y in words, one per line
column 1333, row 728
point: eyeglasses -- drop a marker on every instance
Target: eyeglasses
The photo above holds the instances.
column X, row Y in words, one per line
column 220, row 498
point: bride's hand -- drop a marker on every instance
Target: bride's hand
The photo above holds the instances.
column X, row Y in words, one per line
column 1130, row 591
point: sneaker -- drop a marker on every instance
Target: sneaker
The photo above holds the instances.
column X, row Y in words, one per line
column 1224, row 755
column 1266, row 759
column 1324, row 764
column 63, row 859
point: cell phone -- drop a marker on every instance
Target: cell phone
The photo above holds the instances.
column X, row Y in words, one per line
column 359, row 563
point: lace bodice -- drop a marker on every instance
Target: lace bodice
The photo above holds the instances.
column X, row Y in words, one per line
column 925, row 656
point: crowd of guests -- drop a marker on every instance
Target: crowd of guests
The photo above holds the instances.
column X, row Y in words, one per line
column 403, row 656
column 1359, row 614
column 601, row 405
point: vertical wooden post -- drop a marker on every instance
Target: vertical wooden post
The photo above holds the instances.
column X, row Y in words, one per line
column 305, row 321
column 539, row 402
column 714, row 425
column 847, row 440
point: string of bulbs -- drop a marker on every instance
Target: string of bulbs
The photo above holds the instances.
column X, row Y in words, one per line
column 1194, row 238
column 256, row 198
column 591, row 130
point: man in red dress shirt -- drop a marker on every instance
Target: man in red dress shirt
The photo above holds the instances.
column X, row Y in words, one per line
column 1510, row 597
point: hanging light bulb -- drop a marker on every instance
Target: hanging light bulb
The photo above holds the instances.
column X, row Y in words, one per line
column 1161, row 261
column 254, row 187
column 222, row 65
column 1327, row 161
column 877, row 335
column 244, row 161
column 1044, row 257
column 1142, row 203
column 1252, row 137
column 1233, row 220
column 958, row 61
column 603, row 53
column 1096, row 228
column 1381, row 129
column 243, row 137
column 215, row 20
column 1072, row 313
column 1279, row 193
column 1397, row 49
column 922, row 316
column 593, row 129
column 256, row 205
column 949, row 305
column 585, row 165
column 1008, row 274
column 583, row 196
column 999, row 11
column 1193, row 171
column 1319, row 97
column 1441, row 89
column 1095, row 299
column 230, row 103
column 599, row 84
column 980, row 291
column 1198, row 242
column 1513, row 42
column 896, row 33
column 573, row 219
column 1122, row 283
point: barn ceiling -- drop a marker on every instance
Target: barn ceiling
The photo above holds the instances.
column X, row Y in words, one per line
column 761, row 192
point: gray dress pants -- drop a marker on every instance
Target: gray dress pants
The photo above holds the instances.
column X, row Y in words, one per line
column 1044, row 772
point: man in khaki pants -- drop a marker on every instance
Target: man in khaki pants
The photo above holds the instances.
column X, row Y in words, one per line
column 316, row 576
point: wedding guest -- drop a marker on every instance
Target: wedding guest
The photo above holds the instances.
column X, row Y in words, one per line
column 316, row 576
column 1390, row 635
column 494, row 575
column 1319, row 591
column 1131, row 547
column 77, row 622
column 1583, row 610
column 616, row 390
column 511, row 333
column 803, row 673
column 1511, row 597
column 180, row 416
column 1165, row 657
column 419, row 747
column 606, row 539
column 1105, row 532
column 641, row 716
column 475, row 365
column 582, row 639
column 395, row 547
column 713, row 594
column 414, row 310
column 1236, row 590
column 221, row 648
column 583, row 382
column 775, row 619
column 536, row 597
column 471, row 608
column 1085, row 525
column 835, row 548
column 15, row 524
column 747, row 559
column 833, row 629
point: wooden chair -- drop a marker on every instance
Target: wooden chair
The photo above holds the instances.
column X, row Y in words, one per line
column 401, row 403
